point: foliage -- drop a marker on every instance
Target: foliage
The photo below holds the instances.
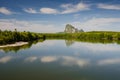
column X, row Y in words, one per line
column 94, row 36
column 17, row 48
column 15, row 36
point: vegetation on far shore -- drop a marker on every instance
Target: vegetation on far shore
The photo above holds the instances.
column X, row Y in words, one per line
column 7, row 37
column 93, row 35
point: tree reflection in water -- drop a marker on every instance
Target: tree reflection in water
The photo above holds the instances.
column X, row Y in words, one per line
column 18, row 48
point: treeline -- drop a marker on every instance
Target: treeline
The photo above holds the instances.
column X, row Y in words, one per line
column 93, row 36
column 7, row 37
column 100, row 35
column 57, row 35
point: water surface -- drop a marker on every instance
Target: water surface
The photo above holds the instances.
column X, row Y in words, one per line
column 61, row 60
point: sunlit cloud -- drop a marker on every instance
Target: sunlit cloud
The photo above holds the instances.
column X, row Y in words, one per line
column 70, row 8
column 5, row 11
column 48, row 11
column 47, row 59
column 66, row 8
column 5, row 59
column 109, row 7
column 30, row 59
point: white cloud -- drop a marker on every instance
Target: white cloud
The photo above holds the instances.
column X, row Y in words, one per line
column 70, row 8
column 48, row 11
column 107, row 6
column 5, row 11
column 66, row 9
column 5, row 59
column 97, row 23
column 34, row 26
column 30, row 10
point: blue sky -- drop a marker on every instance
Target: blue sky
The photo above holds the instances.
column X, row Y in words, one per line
column 53, row 15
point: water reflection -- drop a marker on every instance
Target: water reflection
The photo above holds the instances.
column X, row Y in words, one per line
column 109, row 61
column 97, row 47
column 30, row 59
column 6, row 59
column 47, row 59
column 78, row 49
column 62, row 60
column 71, row 61
column 52, row 58
column 18, row 48
column 69, row 42
column 65, row 60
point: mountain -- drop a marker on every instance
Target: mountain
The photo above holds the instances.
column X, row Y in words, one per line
column 71, row 29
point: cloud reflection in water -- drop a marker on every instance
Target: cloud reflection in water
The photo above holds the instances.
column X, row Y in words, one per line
column 66, row 60
column 109, row 61
column 71, row 61
column 31, row 59
column 5, row 59
column 48, row 59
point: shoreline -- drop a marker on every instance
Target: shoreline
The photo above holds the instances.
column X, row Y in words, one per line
column 14, row 44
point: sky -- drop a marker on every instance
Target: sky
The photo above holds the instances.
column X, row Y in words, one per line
column 44, row 16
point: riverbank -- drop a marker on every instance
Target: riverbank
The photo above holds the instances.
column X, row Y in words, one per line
column 8, row 37
column 14, row 45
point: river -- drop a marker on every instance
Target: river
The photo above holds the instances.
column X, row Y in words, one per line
column 61, row 60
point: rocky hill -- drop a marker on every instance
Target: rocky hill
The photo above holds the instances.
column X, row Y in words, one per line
column 71, row 29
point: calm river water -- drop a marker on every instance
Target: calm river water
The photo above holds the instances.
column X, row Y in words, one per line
column 61, row 60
